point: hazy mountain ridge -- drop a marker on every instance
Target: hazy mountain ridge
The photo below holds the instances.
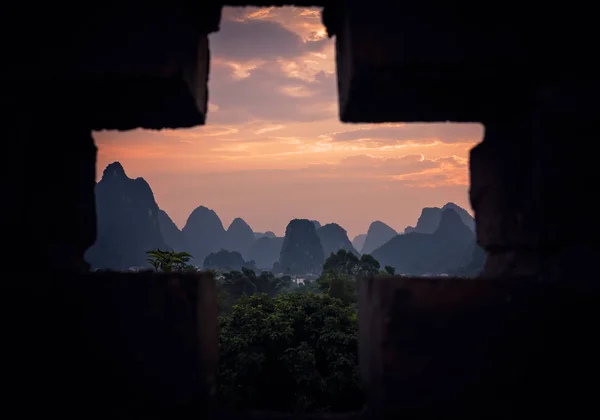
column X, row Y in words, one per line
column 301, row 251
column 239, row 237
column 430, row 218
column 204, row 232
column 378, row 234
column 333, row 237
column 442, row 252
column 174, row 238
column 130, row 223
column 359, row 241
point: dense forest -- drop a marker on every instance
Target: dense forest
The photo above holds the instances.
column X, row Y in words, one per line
column 285, row 344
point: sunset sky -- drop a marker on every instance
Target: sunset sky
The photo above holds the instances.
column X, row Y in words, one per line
column 273, row 148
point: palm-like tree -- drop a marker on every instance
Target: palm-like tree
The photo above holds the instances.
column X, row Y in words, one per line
column 167, row 261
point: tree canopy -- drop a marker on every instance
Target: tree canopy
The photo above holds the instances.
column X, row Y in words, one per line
column 293, row 352
column 287, row 344
column 168, row 260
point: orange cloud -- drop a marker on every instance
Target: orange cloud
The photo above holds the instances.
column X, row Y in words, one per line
column 274, row 149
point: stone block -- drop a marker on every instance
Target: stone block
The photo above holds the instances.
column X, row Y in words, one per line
column 108, row 344
column 468, row 348
column 400, row 62
column 125, row 64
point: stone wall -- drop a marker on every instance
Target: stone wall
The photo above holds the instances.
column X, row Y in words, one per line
column 116, row 345
column 144, row 345
column 474, row 349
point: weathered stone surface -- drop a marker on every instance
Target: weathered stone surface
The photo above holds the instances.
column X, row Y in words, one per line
column 501, row 188
column 128, row 64
column 111, row 345
column 48, row 215
column 530, row 191
column 460, row 348
column 408, row 62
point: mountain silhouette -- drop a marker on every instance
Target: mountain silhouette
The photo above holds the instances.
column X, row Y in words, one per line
column 359, row 241
column 127, row 221
column 265, row 252
column 239, row 237
column 440, row 252
column 378, row 234
column 225, row 260
column 174, row 238
column 301, row 251
column 268, row 234
column 204, row 233
column 430, row 217
column 333, row 238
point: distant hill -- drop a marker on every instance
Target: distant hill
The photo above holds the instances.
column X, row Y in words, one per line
column 204, row 233
column 174, row 238
column 430, row 217
column 378, row 234
column 268, row 234
column 239, row 237
column 128, row 221
column 301, row 251
column 225, row 260
column 333, row 237
column 265, row 252
column 440, row 252
column 359, row 241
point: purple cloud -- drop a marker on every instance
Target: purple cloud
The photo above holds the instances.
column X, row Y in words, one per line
column 261, row 96
column 255, row 40
column 446, row 133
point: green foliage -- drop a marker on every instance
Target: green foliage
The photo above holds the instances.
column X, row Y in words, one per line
column 293, row 352
column 286, row 346
column 308, row 286
column 338, row 285
column 168, row 261
column 346, row 263
column 235, row 284
column 340, row 273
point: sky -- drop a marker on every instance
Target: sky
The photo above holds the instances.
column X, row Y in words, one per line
column 273, row 148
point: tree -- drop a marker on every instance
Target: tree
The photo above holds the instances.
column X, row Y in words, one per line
column 346, row 263
column 369, row 266
column 168, row 261
column 267, row 283
column 238, row 283
column 293, row 352
column 338, row 285
column 340, row 272
column 305, row 287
